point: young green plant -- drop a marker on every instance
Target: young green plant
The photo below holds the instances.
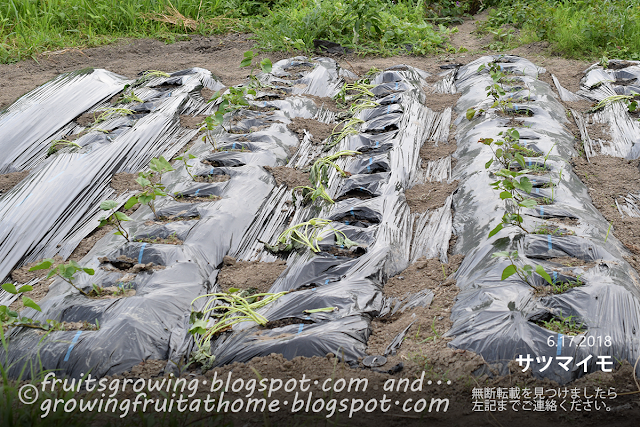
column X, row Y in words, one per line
column 64, row 271
column 227, row 309
column 115, row 218
column 525, row 272
column 151, row 189
column 306, row 236
column 185, row 158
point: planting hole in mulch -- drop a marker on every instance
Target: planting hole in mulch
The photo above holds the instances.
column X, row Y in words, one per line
column 213, row 178
column 249, row 274
column 430, row 195
column 424, row 347
column 318, row 130
column 568, row 261
column 191, row 199
column 272, row 324
column 127, row 265
column 170, row 240
column 10, row 180
column 289, row 176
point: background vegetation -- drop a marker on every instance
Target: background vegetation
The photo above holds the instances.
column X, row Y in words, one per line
column 575, row 28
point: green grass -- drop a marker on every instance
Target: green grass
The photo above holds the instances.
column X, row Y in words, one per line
column 575, row 28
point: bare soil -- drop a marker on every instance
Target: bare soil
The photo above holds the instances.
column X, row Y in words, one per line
column 319, row 131
column 430, row 195
column 123, row 182
column 89, row 242
column 10, row 180
column 249, row 274
column 439, row 101
column 430, row 152
column 192, row 122
column 609, row 178
column 289, row 176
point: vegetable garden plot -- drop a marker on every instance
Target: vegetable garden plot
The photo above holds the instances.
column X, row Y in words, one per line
column 499, row 319
column 166, row 278
column 342, row 236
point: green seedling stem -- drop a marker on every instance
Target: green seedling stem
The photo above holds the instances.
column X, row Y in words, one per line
column 629, row 99
column 115, row 218
column 185, row 158
column 306, row 234
column 61, row 143
column 228, row 308
column 350, row 127
column 10, row 317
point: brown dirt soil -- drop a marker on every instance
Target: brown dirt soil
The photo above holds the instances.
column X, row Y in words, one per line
column 192, row 122
column 607, row 179
column 430, row 152
column 430, row 195
column 88, row 242
column 439, row 101
column 318, row 130
column 129, row 265
column 599, row 131
column 189, row 199
column 212, row 178
column 165, row 241
column 23, row 275
column 249, row 274
column 568, row 261
column 289, row 176
column 10, row 180
column 326, row 102
column 123, row 182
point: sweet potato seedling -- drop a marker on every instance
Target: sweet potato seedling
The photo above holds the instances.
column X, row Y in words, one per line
column 151, row 189
column 306, row 236
column 115, row 218
column 59, row 144
column 11, row 318
column 226, row 309
column 185, row 158
column 525, row 272
column 64, row 271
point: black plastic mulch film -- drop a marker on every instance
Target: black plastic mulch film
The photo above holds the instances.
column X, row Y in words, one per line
column 42, row 217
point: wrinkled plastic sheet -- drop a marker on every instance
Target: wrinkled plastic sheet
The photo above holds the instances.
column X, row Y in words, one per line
column 58, row 203
column 496, row 318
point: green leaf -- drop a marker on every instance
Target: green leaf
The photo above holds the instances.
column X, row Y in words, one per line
column 122, row 216
column 505, row 195
column 28, row 302
column 496, row 230
column 107, row 205
column 45, row 264
column 528, row 203
column 540, row 270
column 488, row 164
column 266, row 65
column 132, row 201
column 470, row 113
column 89, row 271
column 233, row 290
column 245, row 62
column 9, row 287
column 525, row 184
column 248, row 54
column 521, row 161
column 144, row 182
column 509, row 271
column 25, row 288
